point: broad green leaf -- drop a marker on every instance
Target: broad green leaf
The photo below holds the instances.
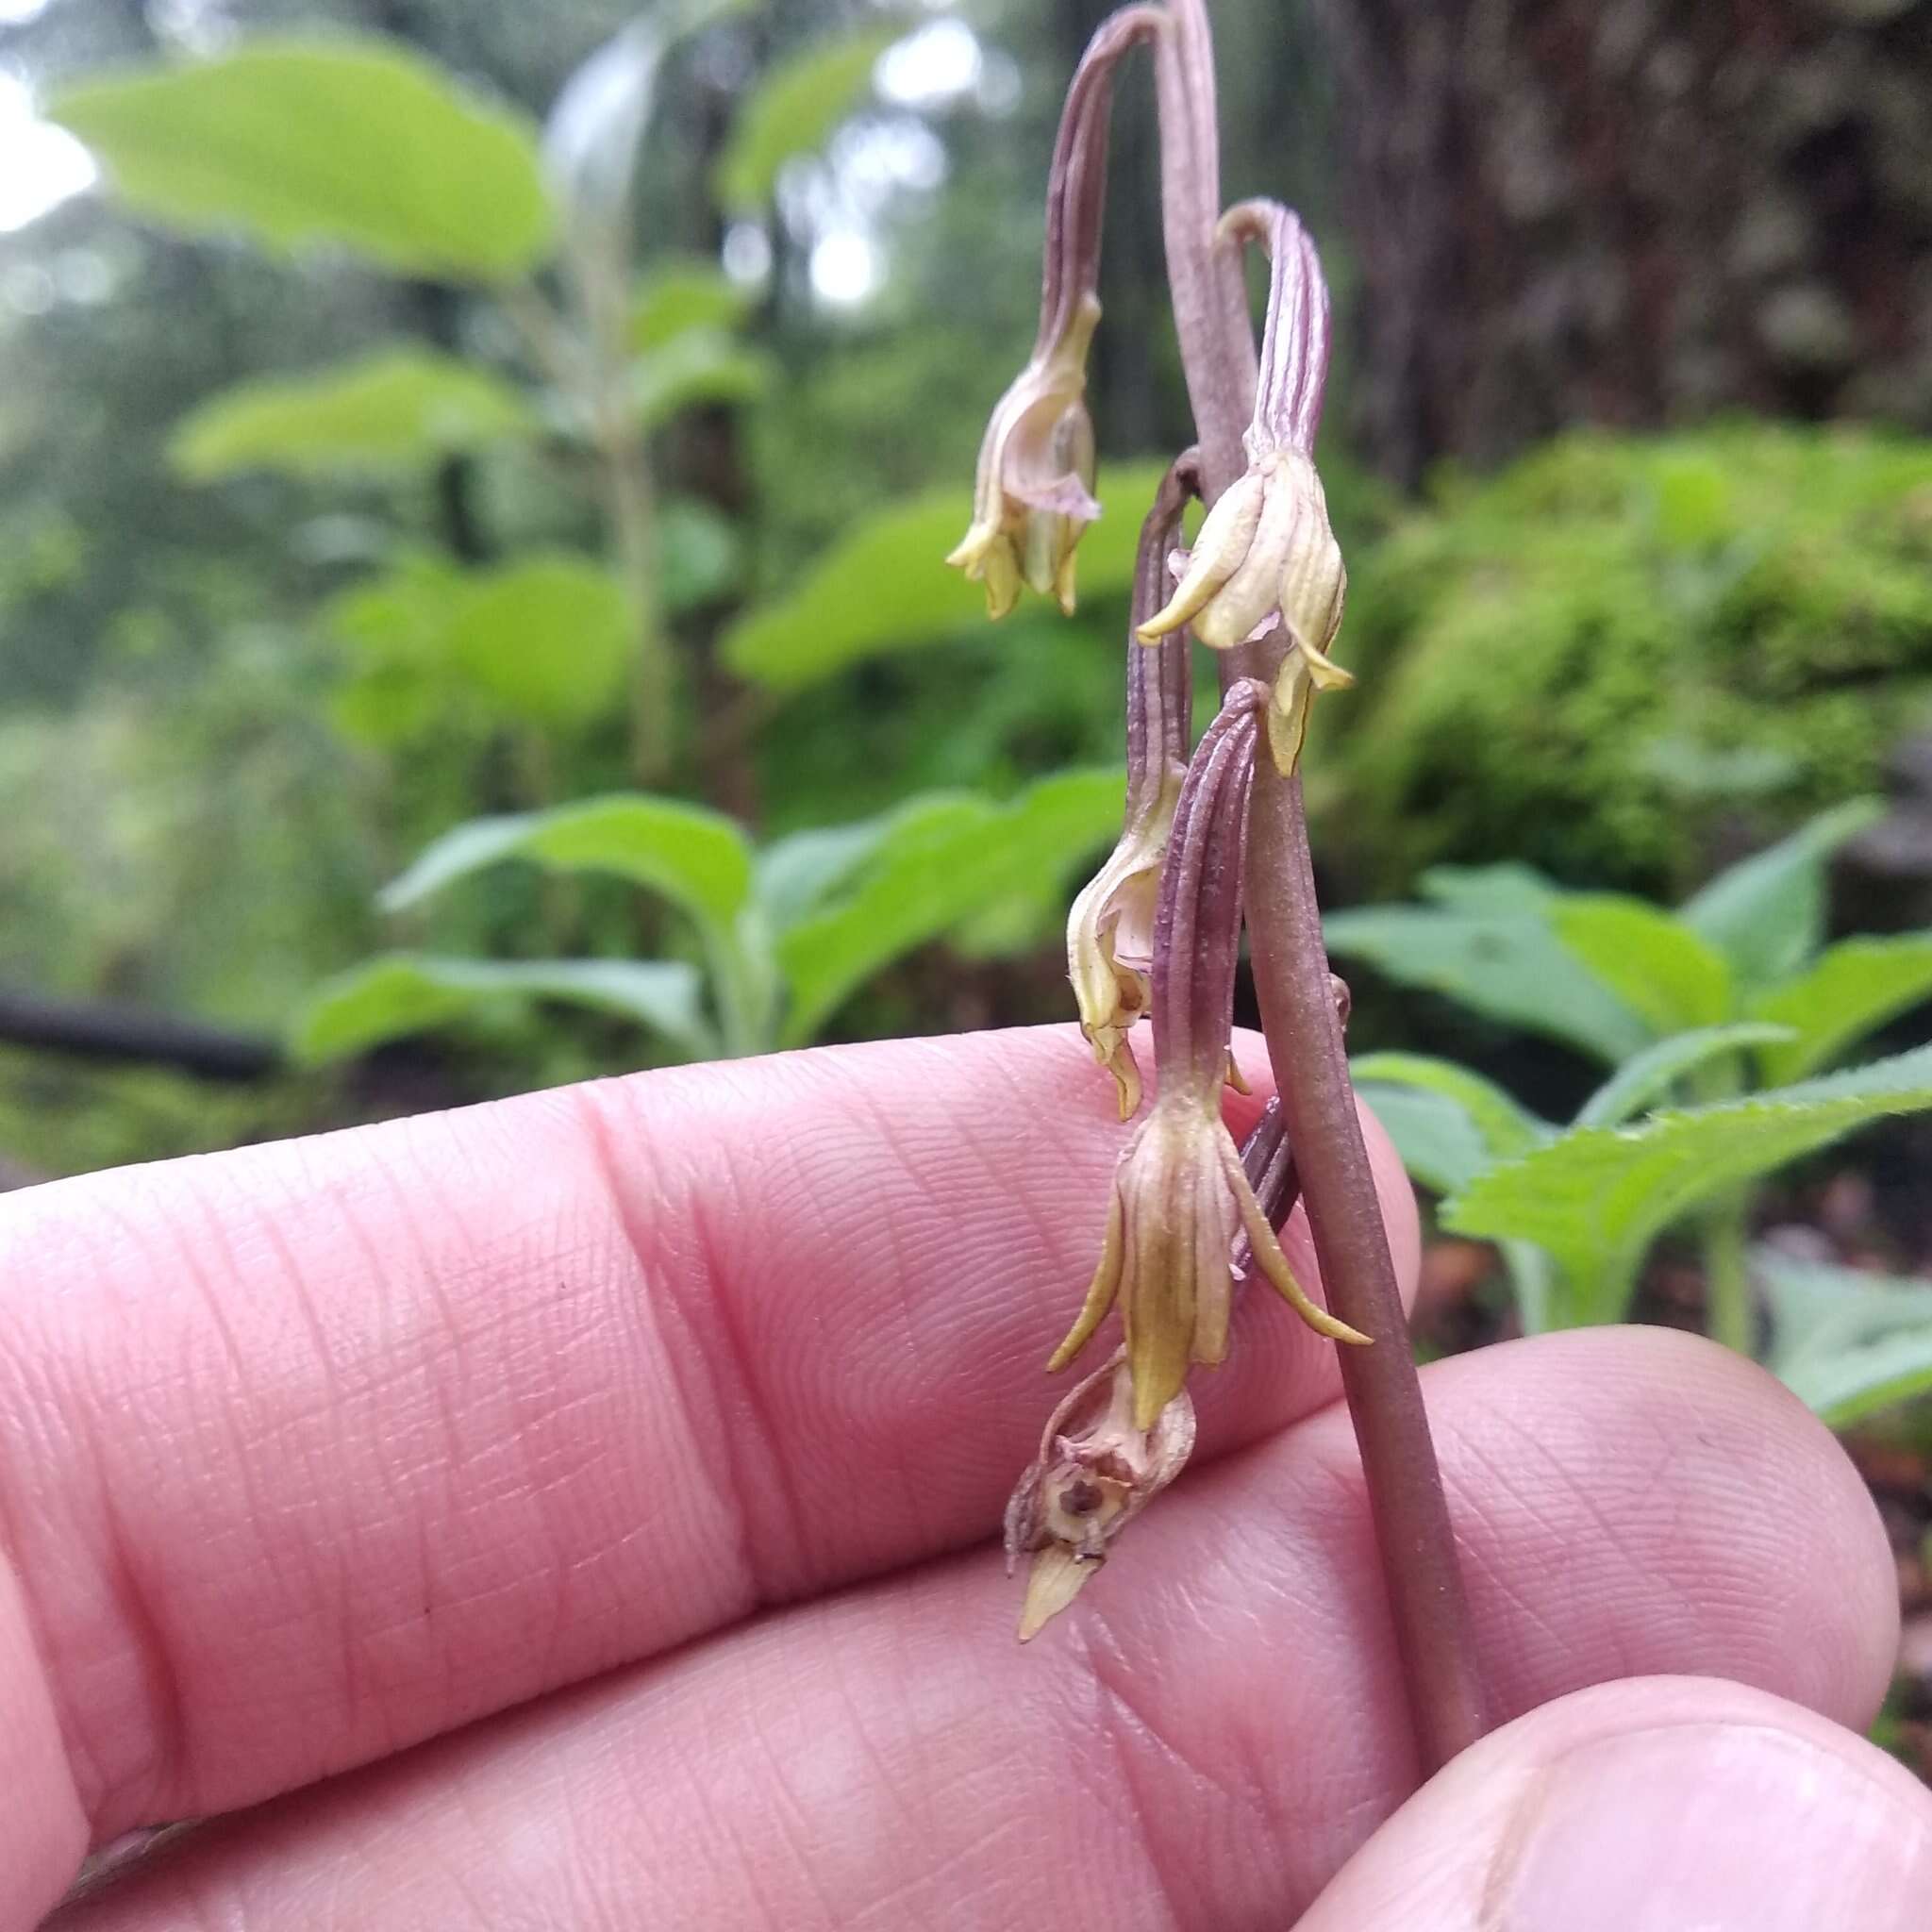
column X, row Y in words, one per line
column 543, row 639
column 402, row 993
column 792, row 110
column 1653, row 1072
column 1846, row 1343
column 353, row 140
column 1510, row 887
column 1767, row 913
column 1598, row 1196
column 701, row 366
column 547, row 637
column 1855, row 986
column 1669, row 975
column 796, row 872
column 695, row 857
column 1508, row 1129
column 1506, row 965
column 397, row 407
column 884, row 586
column 399, row 681
column 677, row 296
column 1440, row 1145
column 942, row 861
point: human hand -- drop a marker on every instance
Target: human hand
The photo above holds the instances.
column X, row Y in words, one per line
column 596, row 1488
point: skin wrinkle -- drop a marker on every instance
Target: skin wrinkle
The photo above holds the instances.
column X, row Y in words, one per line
column 365, row 1707
column 163, row 1739
column 1132, row 1729
column 708, row 1426
column 1025, row 1708
column 1694, row 1608
column 614, row 1377
column 758, row 1464
column 1110, row 1776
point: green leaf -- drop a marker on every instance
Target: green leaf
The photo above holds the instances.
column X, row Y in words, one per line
column 1855, row 986
column 696, row 857
column 1846, row 1343
column 546, row 638
column 1661, row 970
column 1598, row 1196
column 884, row 586
column 1441, row 1147
column 941, row 860
column 795, row 106
column 402, row 993
column 353, row 140
column 397, row 407
column 1510, row 887
column 1653, row 1072
column 1767, row 914
column 699, row 367
column 797, row 872
column 1506, row 1127
column 678, row 296
column 1506, row 965
column 399, row 682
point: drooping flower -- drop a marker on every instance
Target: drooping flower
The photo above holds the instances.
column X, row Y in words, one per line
column 1266, row 556
column 1110, row 928
column 1033, row 493
column 1181, row 1196
column 1095, row 1471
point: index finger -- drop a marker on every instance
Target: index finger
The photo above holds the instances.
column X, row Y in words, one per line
column 328, row 1447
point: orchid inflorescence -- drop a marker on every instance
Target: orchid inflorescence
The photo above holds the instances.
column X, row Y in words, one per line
column 1158, row 931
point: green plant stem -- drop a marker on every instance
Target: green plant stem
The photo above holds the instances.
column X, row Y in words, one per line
column 592, row 369
column 1433, row 1636
column 630, row 509
column 1729, row 1306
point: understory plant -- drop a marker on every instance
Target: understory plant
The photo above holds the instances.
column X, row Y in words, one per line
column 567, row 359
column 1719, row 1025
column 1214, row 842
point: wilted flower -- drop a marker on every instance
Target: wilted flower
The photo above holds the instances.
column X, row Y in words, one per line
column 1180, row 1194
column 1033, row 494
column 1095, row 1471
column 1110, row 929
column 1266, row 555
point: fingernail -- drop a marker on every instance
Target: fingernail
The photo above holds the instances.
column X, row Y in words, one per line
column 1712, row 1826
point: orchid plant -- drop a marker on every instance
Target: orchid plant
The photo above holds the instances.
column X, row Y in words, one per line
column 1214, row 840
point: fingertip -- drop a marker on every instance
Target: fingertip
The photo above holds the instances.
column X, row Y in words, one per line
column 1650, row 1802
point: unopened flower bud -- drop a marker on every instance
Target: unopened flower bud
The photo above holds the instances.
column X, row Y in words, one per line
column 1181, row 1194
column 1033, row 493
column 1095, row 1471
column 1110, row 928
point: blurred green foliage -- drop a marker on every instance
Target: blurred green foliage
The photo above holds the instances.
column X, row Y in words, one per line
column 1582, row 661
column 306, row 558
column 1716, row 1021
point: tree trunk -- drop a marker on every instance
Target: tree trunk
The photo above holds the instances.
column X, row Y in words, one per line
column 1632, row 212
